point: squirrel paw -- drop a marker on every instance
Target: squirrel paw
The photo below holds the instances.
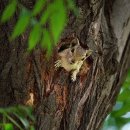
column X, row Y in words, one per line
column 58, row 64
column 73, row 77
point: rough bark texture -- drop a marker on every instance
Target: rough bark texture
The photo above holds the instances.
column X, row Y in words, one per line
column 60, row 104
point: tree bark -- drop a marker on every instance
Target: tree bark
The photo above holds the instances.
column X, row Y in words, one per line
column 104, row 26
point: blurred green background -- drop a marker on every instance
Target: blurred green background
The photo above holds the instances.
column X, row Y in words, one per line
column 119, row 118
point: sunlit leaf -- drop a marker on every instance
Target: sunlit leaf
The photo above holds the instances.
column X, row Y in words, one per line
column 46, row 42
column 45, row 16
column 13, row 121
column 8, row 126
column 22, row 23
column 47, row 13
column 58, row 20
column 35, row 36
column 9, row 11
column 38, row 6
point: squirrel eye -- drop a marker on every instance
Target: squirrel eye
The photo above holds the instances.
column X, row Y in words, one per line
column 73, row 44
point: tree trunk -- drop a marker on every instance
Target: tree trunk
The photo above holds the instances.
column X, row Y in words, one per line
column 104, row 26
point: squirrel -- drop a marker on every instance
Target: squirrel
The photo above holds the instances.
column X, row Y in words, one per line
column 72, row 56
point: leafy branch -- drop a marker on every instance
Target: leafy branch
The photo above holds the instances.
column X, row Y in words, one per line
column 19, row 116
column 47, row 28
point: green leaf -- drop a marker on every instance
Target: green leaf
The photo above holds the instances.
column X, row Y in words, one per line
column 126, row 85
column 58, row 20
column 47, row 13
column 128, row 77
column 8, row 126
column 9, row 11
column 46, row 42
column 125, row 108
column 32, row 128
column 13, row 121
column 2, row 110
column 45, row 16
column 120, row 121
column 38, row 6
column 27, row 110
column 125, row 95
column 35, row 36
column 110, row 121
column 22, row 23
column 33, row 21
column 23, row 120
column 9, row 109
column 23, row 111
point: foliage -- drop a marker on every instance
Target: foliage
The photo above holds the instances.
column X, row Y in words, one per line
column 18, row 116
column 120, row 115
column 46, row 21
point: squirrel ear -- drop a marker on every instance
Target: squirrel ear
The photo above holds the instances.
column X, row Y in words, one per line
column 64, row 47
column 74, row 42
